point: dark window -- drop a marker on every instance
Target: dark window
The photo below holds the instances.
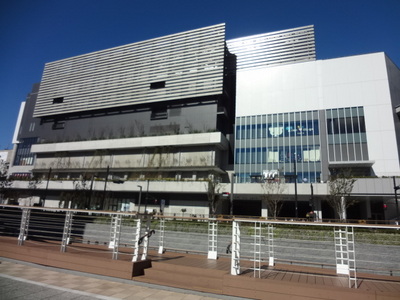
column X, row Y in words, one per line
column 159, row 113
column 58, row 125
column 362, row 124
column 58, row 100
column 346, row 125
column 157, row 85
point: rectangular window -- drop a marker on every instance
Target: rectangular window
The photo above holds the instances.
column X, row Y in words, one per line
column 58, row 100
column 159, row 114
column 311, row 155
column 346, row 125
column 157, row 85
column 58, row 125
column 273, row 156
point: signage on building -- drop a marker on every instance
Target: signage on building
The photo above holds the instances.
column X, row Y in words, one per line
column 270, row 174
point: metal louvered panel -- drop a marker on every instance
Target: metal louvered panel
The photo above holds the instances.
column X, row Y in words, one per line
column 188, row 64
column 274, row 48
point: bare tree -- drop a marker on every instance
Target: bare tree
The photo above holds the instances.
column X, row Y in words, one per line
column 214, row 188
column 3, row 168
column 5, row 187
column 122, row 132
column 140, row 128
column 273, row 195
column 81, row 195
column 32, row 186
column 340, row 187
column 62, row 160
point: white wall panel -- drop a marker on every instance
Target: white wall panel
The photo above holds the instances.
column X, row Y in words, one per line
column 329, row 84
column 277, row 89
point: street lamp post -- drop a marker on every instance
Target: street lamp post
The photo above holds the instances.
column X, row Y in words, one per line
column 295, row 187
column 90, row 193
column 105, row 187
column 231, row 198
column 396, row 187
column 140, row 197
column 147, row 197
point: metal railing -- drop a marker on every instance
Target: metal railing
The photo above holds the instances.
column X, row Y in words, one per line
column 253, row 244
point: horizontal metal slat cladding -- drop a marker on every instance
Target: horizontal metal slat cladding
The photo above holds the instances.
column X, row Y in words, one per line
column 274, row 48
column 190, row 63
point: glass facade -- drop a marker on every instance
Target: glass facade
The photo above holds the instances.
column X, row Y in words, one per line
column 347, row 139
column 278, row 142
column 23, row 156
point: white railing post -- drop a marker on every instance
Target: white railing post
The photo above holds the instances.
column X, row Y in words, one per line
column 341, row 253
column 161, row 236
column 257, row 249
column 212, row 239
column 146, row 239
column 345, row 253
column 352, row 257
column 136, row 239
column 115, row 234
column 271, row 261
column 24, row 227
column 235, row 247
column 67, row 230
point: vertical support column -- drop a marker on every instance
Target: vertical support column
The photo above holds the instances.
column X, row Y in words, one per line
column 317, row 209
column 136, row 239
column 67, row 230
column 146, row 239
column 212, row 239
column 115, row 234
column 264, row 209
column 24, row 227
column 271, row 260
column 235, row 257
column 161, row 239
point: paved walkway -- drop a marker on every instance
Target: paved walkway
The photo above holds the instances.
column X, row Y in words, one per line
column 21, row 280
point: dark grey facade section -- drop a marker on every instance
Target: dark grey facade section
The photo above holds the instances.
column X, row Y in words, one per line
column 30, row 125
column 135, row 122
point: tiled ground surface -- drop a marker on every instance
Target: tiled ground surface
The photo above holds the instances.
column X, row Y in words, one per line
column 20, row 280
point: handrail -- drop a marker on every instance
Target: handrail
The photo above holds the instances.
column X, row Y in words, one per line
column 149, row 234
column 219, row 218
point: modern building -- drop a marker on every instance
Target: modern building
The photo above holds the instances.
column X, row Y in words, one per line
column 307, row 120
column 167, row 115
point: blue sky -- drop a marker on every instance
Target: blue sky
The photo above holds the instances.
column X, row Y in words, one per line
column 33, row 32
